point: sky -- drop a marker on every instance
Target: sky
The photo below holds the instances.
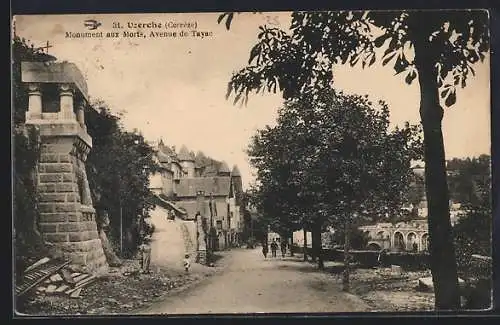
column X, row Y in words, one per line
column 174, row 88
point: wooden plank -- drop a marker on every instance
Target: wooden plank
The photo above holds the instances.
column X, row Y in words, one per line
column 85, row 282
column 74, row 274
column 67, row 276
column 56, row 278
column 40, row 275
column 76, row 294
column 62, row 288
column 80, row 277
column 51, row 288
column 37, row 264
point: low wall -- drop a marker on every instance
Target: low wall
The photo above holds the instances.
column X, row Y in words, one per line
column 368, row 258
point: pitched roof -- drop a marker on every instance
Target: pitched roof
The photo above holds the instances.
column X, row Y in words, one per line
column 235, row 172
column 218, row 186
column 191, row 207
column 224, row 168
column 185, row 155
column 165, row 153
column 163, row 157
column 208, row 171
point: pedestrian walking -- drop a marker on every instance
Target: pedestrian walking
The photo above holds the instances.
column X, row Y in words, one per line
column 145, row 250
column 283, row 249
column 187, row 263
column 274, row 248
column 265, row 249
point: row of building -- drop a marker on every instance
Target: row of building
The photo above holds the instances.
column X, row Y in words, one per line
column 183, row 177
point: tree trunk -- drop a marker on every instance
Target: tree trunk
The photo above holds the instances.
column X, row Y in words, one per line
column 317, row 247
column 347, row 244
column 314, row 244
column 305, row 244
column 291, row 244
column 442, row 252
column 111, row 257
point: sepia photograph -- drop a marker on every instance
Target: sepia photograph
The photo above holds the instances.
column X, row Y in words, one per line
column 251, row 162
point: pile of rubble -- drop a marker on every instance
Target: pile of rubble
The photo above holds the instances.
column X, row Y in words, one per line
column 53, row 277
column 66, row 283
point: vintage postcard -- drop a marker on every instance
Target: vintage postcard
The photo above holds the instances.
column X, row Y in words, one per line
column 260, row 162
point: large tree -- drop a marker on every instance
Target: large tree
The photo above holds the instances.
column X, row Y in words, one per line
column 331, row 160
column 445, row 44
column 118, row 168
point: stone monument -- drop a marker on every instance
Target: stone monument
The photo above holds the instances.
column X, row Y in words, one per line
column 57, row 98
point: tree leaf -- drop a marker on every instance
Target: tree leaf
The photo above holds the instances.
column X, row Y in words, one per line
column 451, row 99
column 472, row 70
column 228, row 20
column 221, row 17
column 389, row 58
column 354, row 60
column 379, row 41
column 410, row 76
column 237, row 98
column 254, row 52
column 372, row 60
column 400, row 65
column 445, row 92
column 229, row 90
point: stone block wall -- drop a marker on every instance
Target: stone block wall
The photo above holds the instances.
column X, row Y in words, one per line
column 67, row 218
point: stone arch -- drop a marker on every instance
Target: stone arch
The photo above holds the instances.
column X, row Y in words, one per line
column 411, row 240
column 382, row 234
column 374, row 246
column 424, row 242
column 399, row 241
column 384, row 238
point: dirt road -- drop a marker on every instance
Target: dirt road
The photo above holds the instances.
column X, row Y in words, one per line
column 251, row 284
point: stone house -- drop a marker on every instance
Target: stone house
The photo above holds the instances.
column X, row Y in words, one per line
column 402, row 236
column 182, row 178
column 410, row 234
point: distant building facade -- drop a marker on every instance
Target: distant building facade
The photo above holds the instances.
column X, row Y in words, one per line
column 402, row 236
column 409, row 235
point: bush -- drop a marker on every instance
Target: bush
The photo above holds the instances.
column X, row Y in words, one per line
column 472, row 235
column 358, row 239
column 365, row 258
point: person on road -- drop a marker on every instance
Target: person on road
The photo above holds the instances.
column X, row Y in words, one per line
column 145, row 250
column 187, row 263
column 265, row 249
column 283, row 249
column 274, row 248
